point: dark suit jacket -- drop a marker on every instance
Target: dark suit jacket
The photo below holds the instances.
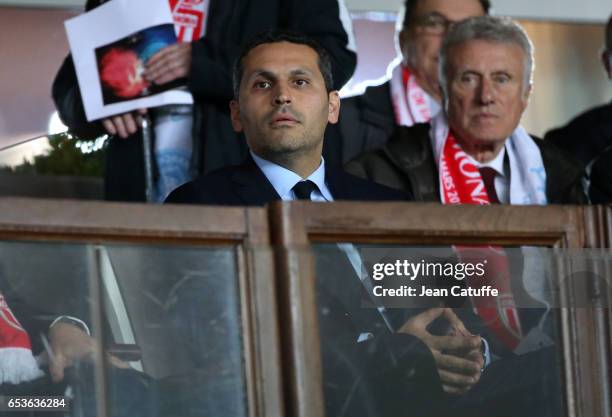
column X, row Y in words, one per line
column 246, row 185
column 366, row 122
column 378, row 377
column 586, row 136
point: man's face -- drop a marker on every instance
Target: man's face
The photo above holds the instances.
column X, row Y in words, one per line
column 486, row 90
column 420, row 43
column 283, row 106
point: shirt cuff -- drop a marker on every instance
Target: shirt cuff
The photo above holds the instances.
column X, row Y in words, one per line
column 486, row 352
column 72, row 320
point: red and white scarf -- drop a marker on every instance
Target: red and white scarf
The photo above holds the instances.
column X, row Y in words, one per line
column 17, row 364
column 528, row 176
column 410, row 102
column 190, row 18
column 461, row 183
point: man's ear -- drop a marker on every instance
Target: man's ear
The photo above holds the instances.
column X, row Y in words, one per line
column 527, row 95
column 402, row 41
column 334, row 107
column 606, row 60
column 528, row 91
column 235, row 115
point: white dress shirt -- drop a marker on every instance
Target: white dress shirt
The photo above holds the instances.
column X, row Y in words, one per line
column 502, row 179
column 283, row 180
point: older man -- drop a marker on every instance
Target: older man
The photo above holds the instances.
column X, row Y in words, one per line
column 476, row 152
column 477, row 143
column 412, row 94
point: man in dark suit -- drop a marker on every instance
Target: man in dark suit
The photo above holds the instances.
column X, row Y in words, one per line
column 589, row 136
column 284, row 98
column 203, row 61
column 283, row 115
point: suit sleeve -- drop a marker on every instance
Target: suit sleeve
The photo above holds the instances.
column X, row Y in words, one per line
column 67, row 98
column 376, row 377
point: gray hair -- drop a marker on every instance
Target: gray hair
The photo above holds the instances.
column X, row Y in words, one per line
column 486, row 28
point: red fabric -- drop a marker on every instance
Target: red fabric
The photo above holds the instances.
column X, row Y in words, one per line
column 12, row 335
column 189, row 18
column 462, row 183
column 405, row 76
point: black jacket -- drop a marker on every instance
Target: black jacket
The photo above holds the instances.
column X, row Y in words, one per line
column 589, row 138
column 407, row 163
column 246, row 185
column 230, row 25
column 586, row 136
column 366, row 122
column 600, row 178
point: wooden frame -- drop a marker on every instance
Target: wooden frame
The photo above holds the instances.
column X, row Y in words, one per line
column 297, row 225
column 593, row 326
column 278, row 308
column 246, row 228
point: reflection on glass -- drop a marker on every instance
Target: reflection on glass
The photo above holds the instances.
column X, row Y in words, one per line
column 170, row 327
column 56, row 154
column 411, row 327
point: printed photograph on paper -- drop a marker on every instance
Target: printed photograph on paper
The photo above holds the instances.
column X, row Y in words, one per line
column 121, row 64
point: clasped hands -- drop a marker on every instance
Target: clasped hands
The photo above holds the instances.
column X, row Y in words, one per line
column 168, row 64
column 458, row 354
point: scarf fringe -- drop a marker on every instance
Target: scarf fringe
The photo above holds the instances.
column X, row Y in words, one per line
column 18, row 365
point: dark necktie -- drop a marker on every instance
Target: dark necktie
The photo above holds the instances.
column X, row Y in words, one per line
column 488, row 177
column 344, row 278
column 303, row 189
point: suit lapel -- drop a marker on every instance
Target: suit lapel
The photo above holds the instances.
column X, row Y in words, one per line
column 337, row 185
column 252, row 186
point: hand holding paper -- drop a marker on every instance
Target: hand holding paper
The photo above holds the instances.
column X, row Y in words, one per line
column 125, row 124
column 169, row 64
column 111, row 47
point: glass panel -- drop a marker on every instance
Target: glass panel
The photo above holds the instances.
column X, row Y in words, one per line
column 40, row 283
column 448, row 330
column 171, row 325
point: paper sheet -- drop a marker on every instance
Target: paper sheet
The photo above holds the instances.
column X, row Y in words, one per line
column 110, row 45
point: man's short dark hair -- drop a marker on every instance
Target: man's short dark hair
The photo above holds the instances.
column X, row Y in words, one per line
column 410, row 5
column 275, row 36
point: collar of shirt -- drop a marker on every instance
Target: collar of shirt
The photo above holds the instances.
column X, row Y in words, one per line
column 496, row 163
column 502, row 179
column 283, row 179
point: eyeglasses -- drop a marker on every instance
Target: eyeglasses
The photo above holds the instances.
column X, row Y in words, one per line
column 433, row 24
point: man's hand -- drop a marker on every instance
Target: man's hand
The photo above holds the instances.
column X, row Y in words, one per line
column 70, row 344
column 124, row 125
column 169, row 64
column 457, row 355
